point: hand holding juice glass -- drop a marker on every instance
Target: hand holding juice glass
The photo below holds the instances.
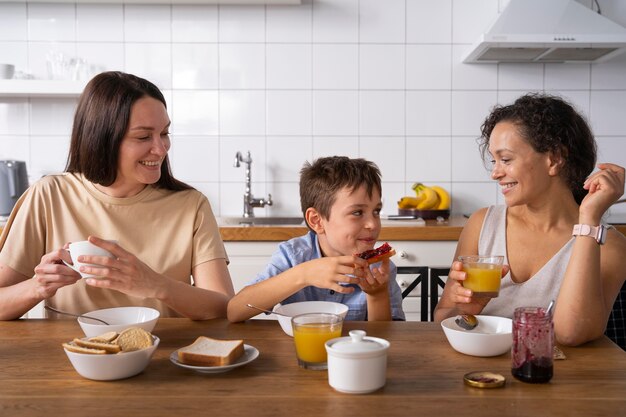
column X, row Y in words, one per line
column 310, row 333
column 484, row 274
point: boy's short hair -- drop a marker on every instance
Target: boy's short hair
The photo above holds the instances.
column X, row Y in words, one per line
column 321, row 180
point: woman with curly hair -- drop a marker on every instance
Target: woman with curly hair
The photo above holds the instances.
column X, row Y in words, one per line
column 550, row 230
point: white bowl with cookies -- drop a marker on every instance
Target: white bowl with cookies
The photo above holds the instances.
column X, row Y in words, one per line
column 112, row 355
column 119, row 318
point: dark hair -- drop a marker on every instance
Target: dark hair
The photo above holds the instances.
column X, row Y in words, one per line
column 321, row 180
column 100, row 123
column 549, row 124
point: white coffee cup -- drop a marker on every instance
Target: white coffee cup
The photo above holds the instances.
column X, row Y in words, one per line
column 84, row 247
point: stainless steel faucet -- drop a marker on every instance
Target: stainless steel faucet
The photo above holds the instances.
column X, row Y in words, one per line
column 249, row 202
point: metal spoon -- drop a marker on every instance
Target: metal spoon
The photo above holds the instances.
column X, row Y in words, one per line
column 267, row 311
column 549, row 309
column 75, row 315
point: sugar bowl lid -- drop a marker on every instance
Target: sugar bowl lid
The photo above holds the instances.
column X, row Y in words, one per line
column 357, row 344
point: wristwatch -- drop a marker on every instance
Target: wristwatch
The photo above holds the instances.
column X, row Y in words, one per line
column 596, row 232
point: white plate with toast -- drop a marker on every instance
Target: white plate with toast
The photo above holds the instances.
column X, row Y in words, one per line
column 250, row 354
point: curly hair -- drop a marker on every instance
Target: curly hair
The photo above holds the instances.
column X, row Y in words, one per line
column 549, row 124
column 325, row 177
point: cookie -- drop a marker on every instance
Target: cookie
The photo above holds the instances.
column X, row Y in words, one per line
column 108, row 347
column 107, row 337
column 79, row 349
column 134, row 338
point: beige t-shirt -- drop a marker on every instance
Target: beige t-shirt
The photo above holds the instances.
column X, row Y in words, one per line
column 169, row 231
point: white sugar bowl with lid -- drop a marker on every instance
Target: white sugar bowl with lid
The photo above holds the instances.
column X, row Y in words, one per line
column 357, row 364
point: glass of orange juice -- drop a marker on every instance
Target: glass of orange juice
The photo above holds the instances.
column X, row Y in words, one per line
column 484, row 274
column 310, row 333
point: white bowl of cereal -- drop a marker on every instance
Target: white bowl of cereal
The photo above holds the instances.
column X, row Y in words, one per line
column 119, row 318
column 107, row 361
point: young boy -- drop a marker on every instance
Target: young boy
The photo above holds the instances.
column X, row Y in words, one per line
column 341, row 203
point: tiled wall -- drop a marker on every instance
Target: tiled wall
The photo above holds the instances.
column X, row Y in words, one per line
column 380, row 79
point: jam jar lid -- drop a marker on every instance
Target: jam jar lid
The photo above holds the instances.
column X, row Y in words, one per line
column 484, row 379
column 358, row 343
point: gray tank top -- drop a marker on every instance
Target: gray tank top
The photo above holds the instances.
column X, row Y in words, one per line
column 539, row 289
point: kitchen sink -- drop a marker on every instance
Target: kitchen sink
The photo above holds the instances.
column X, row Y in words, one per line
column 261, row 221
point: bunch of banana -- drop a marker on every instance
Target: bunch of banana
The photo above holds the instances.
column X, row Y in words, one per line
column 426, row 198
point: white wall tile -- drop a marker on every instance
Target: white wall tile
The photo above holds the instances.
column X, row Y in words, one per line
column 194, row 66
column 231, row 198
column 382, row 21
column 13, row 22
column 288, row 66
column 469, row 109
column 16, row 148
column 607, row 112
column 472, row 18
column 428, row 113
column 340, row 145
column 335, row 66
column 428, row 159
column 285, row 157
column 194, row 112
column 100, row 22
column 382, row 113
column 392, row 191
column 285, row 199
column 520, row 76
column 289, row 112
column 51, row 22
column 335, row 113
column 609, row 75
column 470, row 196
column 242, row 112
column 336, row 21
column 467, row 164
column 611, row 149
column 242, row 66
column 101, row 56
column 390, row 162
column 421, row 71
column 241, row 24
column 52, row 116
column 428, row 21
column 195, row 159
column 472, row 76
column 147, row 23
column 14, row 116
column 229, row 146
column 291, row 24
column 152, row 61
column 381, row 67
column 51, row 155
column 566, row 77
column 194, row 23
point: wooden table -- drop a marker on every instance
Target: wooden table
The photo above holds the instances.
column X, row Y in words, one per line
column 425, row 377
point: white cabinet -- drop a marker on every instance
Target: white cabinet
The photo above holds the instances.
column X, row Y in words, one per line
column 247, row 259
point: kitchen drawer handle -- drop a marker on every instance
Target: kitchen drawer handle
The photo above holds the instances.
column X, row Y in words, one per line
column 402, row 254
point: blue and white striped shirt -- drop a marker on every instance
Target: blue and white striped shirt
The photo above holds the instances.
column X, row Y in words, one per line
column 306, row 248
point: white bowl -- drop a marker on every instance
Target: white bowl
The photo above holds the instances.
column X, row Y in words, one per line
column 112, row 366
column 492, row 336
column 303, row 307
column 119, row 318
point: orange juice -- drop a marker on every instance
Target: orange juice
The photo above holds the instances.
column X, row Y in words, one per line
column 483, row 279
column 310, row 339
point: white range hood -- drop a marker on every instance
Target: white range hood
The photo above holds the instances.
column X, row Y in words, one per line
column 548, row 31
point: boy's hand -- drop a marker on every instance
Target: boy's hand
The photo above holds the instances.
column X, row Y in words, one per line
column 329, row 272
column 376, row 280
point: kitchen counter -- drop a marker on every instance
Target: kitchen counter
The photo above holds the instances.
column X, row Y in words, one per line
column 449, row 230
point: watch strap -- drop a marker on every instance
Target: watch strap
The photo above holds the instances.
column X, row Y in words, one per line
column 596, row 232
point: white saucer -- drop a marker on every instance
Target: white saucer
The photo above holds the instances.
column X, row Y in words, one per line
column 250, row 354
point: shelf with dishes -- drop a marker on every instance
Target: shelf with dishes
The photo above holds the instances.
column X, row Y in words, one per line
column 41, row 88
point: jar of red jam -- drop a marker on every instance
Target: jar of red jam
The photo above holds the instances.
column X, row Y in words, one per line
column 533, row 344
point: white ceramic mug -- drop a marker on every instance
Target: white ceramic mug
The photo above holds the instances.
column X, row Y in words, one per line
column 84, row 247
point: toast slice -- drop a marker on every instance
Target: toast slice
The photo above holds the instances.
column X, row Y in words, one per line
column 206, row 351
